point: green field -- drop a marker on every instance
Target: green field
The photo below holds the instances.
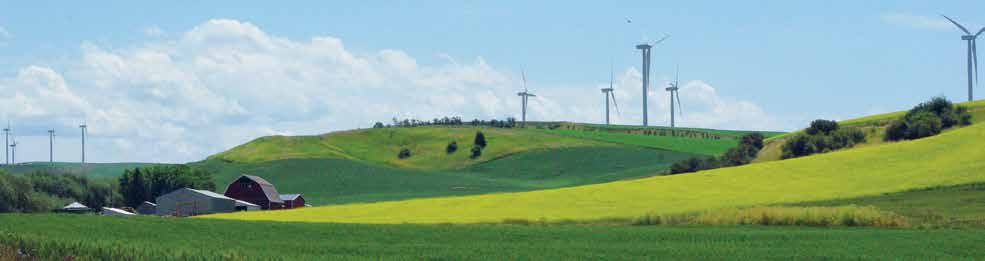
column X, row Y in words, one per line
column 951, row 158
column 91, row 169
column 336, row 181
column 951, row 206
column 113, row 238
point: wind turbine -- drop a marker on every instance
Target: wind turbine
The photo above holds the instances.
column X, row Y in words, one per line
column 972, row 53
column 51, row 147
column 609, row 95
column 13, row 152
column 673, row 89
column 6, row 146
column 645, row 48
column 83, row 127
column 523, row 96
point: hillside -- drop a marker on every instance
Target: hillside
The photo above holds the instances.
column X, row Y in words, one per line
column 91, row 169
column 951, row 158
column 427, row 144
column 337, row 181
column 874, row 127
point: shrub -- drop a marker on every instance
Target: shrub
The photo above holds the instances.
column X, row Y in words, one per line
column 782, row 216
column 822, row 136
column 745, row 152
column 821, row 126
column 452, row 147
column 927, row 119
column 480, row 139
column 404, row 153
column 476, row 152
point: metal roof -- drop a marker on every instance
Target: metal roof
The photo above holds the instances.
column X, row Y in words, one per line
column 268, row 189
column 75, row 205
column 289, row 196
column 210, row 193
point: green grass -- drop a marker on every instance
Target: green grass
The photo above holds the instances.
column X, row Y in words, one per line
column 380, row 146
column 709, row 147
column 92, row 169
column 337, row 181
column 951, row 158
column 151, row 238
column 952, row 206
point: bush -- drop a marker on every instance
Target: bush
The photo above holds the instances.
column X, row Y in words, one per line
column 404, row 153
column 452, row 147
column 821, row 126
column 928, row 119
column 480, row 139
column 822, row 136
column 476, row 152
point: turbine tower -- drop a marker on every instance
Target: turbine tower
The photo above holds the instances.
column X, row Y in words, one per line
column 645, row 48
column 673, row 89
column 609, row 95
column 51, row 147
column 13, row 152
column 523, row 97
column 83, row 127
column 972, row 54
column 6, row 145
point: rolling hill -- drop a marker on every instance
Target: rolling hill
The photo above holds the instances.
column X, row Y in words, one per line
column 951, row 158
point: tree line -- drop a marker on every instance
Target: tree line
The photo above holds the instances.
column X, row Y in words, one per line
column 138, row 185
column 510, row 122
column 46, row 190
column 745, row 152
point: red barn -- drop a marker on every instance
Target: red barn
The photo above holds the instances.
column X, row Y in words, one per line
column 292, row 200
column 255, row 190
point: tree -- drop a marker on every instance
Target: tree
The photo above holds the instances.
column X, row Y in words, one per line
column 378, row 125
column 821, row 126
column 404, row 153
column 480, row 140
column 452, row 147
column 476, row 152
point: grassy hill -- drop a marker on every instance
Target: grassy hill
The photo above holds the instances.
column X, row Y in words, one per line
column 427, row 146
column 56, row 237
column 91, row 169
column 874, row 127
column 951, row 158
column 336, row 181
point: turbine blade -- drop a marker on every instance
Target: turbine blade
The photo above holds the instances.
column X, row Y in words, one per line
column 957, row 24
column 661, row 39
column 680, row 109
column 523, row 76
column 980, row 32
column 974, row 57
column 612, row 94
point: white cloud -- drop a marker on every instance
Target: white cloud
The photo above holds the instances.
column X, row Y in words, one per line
column 153, row 31
column 917, row 21
column 225, row 82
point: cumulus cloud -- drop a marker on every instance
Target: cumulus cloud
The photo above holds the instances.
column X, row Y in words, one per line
column 225, row 82
column 917, row 21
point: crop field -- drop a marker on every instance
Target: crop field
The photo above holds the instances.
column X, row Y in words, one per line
column 709, row 147
column 427, row 146
column 91, row 169
column 951, row 158
column 951, row 206
column 337, row 181
column 93, row 237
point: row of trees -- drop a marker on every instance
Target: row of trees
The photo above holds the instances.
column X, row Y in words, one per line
column 146, row 184
column 448, row 121
column 822, row 136
column 44, row 191
column 745, row 152
column 927, row 119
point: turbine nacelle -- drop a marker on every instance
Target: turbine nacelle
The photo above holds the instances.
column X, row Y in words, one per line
column 968, row 37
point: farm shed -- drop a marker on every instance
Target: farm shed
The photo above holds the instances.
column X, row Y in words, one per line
column 115, row 212
column 255, row 190
column 292, row 200
column 246, row 206
column 74, row 207
column 189, row 202
column 147, row 208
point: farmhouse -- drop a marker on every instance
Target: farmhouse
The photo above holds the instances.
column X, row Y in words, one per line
column 255, row 190
column 189, row 202
column 292, row 200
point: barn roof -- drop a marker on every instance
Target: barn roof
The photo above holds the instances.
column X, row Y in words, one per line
column 268, row 189
column 75, row 205
column 289, row 196
column 210, row 193
column 148, row 203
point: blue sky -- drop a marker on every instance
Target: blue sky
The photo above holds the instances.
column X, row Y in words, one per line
column 143, row 74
